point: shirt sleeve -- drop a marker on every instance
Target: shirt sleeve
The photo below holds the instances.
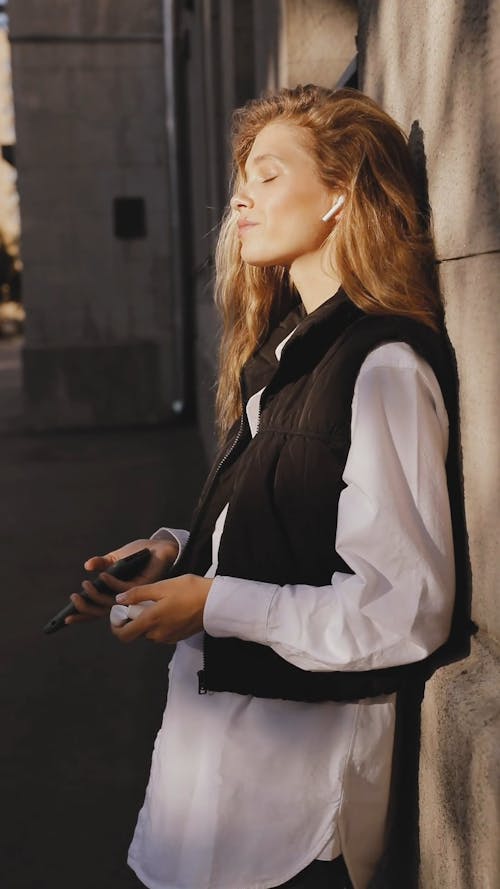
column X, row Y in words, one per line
column 393, row 530
column 180, row 536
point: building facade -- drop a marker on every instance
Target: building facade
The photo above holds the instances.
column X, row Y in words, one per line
column 93, row 180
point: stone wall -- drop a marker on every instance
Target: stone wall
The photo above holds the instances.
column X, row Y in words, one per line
column 90, row 118
column 303, row 42
column 436, row 68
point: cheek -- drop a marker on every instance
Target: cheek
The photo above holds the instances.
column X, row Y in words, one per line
column 299, row 213
column 291, row 225
column 298, row 227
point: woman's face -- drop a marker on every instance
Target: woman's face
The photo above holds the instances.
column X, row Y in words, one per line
column 282, row 199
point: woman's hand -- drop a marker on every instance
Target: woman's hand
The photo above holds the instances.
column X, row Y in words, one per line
column 163, row 555
column 176, row 614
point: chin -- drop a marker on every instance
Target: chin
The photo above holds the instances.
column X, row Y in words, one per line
column 260, row 260
column 259, row 263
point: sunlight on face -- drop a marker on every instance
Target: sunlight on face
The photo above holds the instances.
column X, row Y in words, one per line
column 282, row 200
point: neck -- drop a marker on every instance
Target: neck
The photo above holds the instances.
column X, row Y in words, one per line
column 314, row 284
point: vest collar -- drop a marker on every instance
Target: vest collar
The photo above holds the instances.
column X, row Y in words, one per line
column 334, row 313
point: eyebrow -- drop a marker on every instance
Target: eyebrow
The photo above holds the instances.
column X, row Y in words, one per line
column 264, row 157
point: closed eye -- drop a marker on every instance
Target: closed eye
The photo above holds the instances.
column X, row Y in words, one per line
column 269, row 179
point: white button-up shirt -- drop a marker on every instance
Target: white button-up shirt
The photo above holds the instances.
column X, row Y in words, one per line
column 244, row 792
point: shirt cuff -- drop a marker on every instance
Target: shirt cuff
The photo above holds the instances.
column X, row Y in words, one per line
column 237, row 607
column 178, row 534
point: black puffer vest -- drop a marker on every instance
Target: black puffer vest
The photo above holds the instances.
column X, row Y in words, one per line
column 283, row 487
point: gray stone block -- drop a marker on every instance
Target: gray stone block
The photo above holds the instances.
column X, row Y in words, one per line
column 319, row 40
column 460, row 773
column 90, row 128
column 81, row 17
column 437, row 64
column 470, row 289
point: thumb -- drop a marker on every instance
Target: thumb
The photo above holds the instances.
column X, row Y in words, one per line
column 145, row 592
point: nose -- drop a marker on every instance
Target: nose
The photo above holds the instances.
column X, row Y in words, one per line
column 241, row 200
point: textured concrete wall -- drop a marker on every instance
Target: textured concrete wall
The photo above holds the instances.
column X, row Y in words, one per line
column 319, row 40
column 89, row 101
column 306, row 41
column 436, row 68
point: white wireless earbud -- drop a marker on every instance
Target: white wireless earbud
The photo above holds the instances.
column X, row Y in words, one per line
column 337, row 205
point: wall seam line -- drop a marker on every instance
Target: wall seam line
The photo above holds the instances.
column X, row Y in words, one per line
column 468, row 255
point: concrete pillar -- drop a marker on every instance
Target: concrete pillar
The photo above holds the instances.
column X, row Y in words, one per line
column 307, row 41
column 435, row 67
column 90, row 116
column 219, row 75
column 204, row 73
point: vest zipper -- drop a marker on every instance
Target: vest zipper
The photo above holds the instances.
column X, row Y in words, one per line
column 202, row 689
column 231, row 449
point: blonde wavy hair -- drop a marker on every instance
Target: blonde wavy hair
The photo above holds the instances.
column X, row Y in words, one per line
column 381, row 248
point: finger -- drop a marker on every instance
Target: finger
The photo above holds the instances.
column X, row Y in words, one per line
column 99, row 598
column 160, row 638
column 143, row 593
column 153, row 636
column 83, row 606
column 79, row 618
column 98, row 563
column 133, row 611
column 144, row 623
column 118, row 586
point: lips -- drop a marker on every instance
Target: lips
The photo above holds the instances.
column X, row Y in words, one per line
column 245, row 224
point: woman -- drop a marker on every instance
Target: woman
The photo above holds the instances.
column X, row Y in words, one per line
column 318, row 578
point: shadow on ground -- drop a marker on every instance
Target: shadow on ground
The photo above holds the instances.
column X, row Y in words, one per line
column 80, row 711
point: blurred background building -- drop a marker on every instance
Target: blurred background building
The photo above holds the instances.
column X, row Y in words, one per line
column 121, row 114
column 11, row 311
column 9, row 203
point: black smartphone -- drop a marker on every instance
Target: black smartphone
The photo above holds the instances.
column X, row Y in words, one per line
column 124, row 569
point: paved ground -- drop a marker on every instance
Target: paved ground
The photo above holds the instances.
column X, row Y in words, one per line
column 79, row 711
